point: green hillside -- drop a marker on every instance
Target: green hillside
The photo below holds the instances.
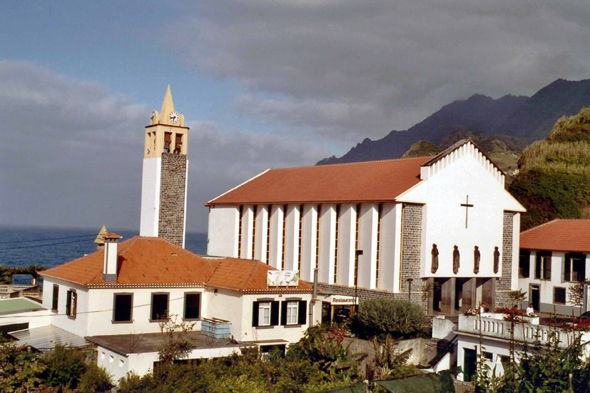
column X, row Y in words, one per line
column 554, row 175
column 422, row 148
column 504, row 150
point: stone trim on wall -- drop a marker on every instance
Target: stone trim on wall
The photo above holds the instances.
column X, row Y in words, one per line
column 411, row 247
column 172, row 195
column 503, row 285
column 365, row 294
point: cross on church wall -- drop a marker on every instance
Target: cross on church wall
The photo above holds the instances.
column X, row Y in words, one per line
column 466, row 205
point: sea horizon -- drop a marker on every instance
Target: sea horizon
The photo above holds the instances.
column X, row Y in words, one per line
column 22, row 246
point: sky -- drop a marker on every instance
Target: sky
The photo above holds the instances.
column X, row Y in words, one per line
column 261, row 83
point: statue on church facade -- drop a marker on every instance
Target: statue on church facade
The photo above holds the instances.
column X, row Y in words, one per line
column 476, row 259
column 456, row 260
column 434, row 253
column 496, row 260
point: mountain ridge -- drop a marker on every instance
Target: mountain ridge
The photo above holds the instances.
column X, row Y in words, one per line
column 530, row 118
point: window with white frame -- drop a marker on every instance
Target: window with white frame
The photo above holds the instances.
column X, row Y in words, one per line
column 264, row 314
column 292, row 313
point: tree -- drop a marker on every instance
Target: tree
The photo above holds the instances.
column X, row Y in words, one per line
column 576, row 293
column 177, row 343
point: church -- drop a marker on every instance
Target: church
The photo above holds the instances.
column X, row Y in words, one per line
column 440, row 230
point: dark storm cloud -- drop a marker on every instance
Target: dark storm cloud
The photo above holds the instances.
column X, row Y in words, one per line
column 362, row 68
column 72, row 154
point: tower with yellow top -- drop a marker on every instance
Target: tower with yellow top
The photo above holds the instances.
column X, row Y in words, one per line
column 165, row 175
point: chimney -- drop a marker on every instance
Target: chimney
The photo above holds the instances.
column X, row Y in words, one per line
column 111, row 257
column 99, row 241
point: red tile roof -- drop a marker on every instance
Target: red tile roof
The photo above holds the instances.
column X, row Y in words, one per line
column 246, row 275
column 558, row 235
column 152, row 261
column 358, row 182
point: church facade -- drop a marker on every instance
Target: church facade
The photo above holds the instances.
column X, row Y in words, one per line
column 442, row 230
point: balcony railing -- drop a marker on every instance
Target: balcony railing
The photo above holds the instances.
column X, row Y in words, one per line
column 500, row 329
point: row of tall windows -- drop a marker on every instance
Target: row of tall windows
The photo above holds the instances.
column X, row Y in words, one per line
column 317, row 250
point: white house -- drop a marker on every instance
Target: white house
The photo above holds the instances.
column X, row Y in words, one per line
column 490, row 335
column 444, row 225
column 116, row 298
column 553, row 257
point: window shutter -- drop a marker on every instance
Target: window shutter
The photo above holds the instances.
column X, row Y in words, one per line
column 255, row 314
column 75, row 304
column 274, row 313
column 283, row 313
column 302, row 312
column 68, row 302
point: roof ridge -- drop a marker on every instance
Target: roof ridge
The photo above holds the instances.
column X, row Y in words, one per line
column 351, row 163
column 240, row 185
column 539, row 226
column 249, row 279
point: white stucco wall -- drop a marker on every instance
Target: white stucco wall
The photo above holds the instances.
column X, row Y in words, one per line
column 142, row 363
column 390, row 245
column 276, row 236
column 150, row 196
column 261, row 233
column 222, row 237
column 292, row 238
column 368, row 243
column 497, row 348
column 100, row 302
column 78, row 325
column 289, row 333
column 308, row 246
column 346, row 243
column 35, row 319
column 546, row 286
column 237, row 308
column 247, row 231
column 465, row 172
column 327, row 243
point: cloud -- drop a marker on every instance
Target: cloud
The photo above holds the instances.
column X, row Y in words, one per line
column 72, row 153
column 222, row 158
column 353, row 69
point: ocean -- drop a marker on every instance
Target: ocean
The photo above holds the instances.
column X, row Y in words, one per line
column 50, row 247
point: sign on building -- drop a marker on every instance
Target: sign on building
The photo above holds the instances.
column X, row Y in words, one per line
column 284, row 278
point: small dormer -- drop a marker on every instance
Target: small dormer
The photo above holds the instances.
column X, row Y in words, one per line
column 166, row 132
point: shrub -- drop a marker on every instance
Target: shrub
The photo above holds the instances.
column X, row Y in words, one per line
column 95, row 379
column 380, row 317
column 65, row 366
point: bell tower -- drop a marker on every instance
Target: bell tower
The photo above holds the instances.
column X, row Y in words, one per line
column 165, row 174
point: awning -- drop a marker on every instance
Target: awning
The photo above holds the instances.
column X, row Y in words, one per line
column 45, row 338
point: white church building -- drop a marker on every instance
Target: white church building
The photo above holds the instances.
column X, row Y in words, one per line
column 443, row 226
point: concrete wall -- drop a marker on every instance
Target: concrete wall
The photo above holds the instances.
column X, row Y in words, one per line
column 150, row 197
column 327, row 243
column 309, row 241
column 222, row 237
